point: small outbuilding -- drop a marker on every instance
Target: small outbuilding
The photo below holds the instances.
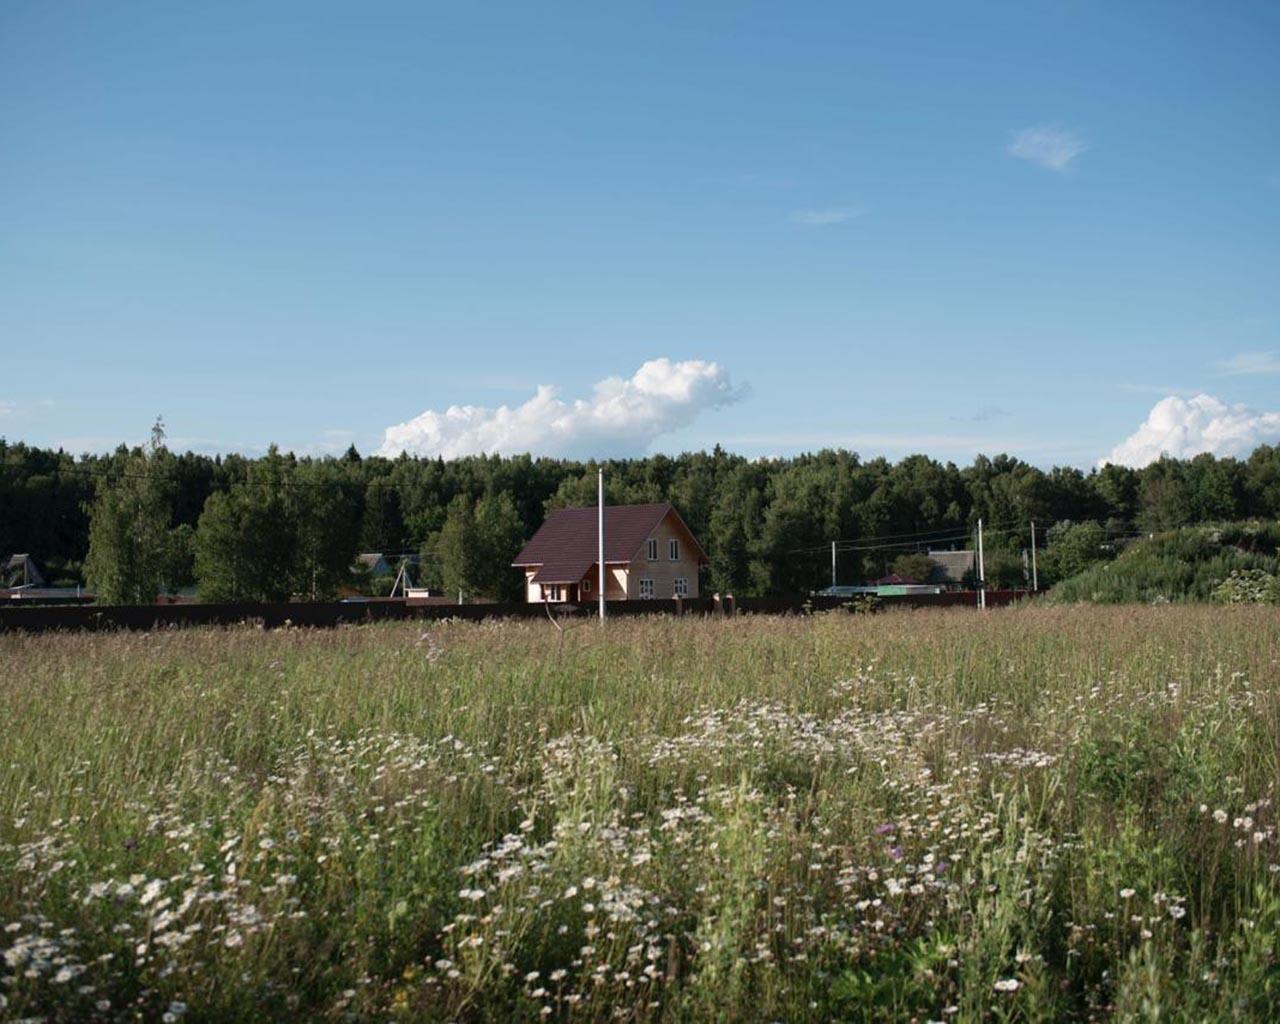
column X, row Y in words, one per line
column 649, row 552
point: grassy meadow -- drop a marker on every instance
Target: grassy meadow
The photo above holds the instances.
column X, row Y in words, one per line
column 1041, row 813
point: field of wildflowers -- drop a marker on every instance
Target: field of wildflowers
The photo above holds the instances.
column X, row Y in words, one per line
column 1033, row 814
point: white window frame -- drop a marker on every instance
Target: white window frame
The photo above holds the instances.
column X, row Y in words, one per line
column 551, row 592
column 646, row 589
column 673, row 549
column 651, row 549
column 681, row 586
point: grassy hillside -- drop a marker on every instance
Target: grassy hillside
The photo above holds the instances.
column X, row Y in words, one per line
column 1032, row 814
column 1181, row 565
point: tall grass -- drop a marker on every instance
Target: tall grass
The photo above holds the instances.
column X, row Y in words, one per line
column 1040, row 813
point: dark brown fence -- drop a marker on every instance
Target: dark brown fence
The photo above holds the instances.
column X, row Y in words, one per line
column 328, row 614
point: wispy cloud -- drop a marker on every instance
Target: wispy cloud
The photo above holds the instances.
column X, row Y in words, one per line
column 1183, row 427
column 892, row 444
column 622, row 417
column 1251, row 363
column 1047, row 145
column 981, row 416
column 9, row 407
column 825, row 216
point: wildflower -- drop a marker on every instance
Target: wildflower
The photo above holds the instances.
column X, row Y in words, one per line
column 885, row 829
column 1126, row 894
column 1177, row 911
column 1220, row 816
column 1007, row 985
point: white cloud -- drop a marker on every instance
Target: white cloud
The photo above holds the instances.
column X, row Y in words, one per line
column 826, row 216
column 1183, row 427
column 11, row 408
column 622, row 417
column 1047, row 145
column 1251, row 363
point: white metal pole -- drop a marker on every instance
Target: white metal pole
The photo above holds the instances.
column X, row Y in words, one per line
column 600, row 553
column 1035, row 578
column 833, row 563
column 982, row 572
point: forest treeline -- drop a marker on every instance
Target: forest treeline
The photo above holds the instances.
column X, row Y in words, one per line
column 281, row 526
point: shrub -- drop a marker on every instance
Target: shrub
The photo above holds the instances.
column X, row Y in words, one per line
column 1248, row 586
column 1188, row 564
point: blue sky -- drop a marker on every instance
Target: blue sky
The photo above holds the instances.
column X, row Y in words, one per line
column 891, row 227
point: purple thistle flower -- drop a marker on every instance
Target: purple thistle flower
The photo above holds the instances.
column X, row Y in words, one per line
column 885, row 829
column 895, row 852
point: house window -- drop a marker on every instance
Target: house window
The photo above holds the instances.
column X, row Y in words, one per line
column 586, row 585
column 673, row 550
column 651, row 549
column 646, row 587
column 551, row 591
column 682, row 586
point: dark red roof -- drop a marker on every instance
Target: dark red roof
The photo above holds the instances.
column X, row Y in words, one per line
column 564, row 572
column 567, row 540
column 893, row 579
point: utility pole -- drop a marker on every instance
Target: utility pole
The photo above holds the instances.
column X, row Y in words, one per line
column 833, row 563
column 600, row 553
column 1035, row 579
column 982, row 572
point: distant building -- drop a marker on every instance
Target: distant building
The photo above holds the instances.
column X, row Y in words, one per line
column 21, row 571
column 649, row 553
column 954, row 568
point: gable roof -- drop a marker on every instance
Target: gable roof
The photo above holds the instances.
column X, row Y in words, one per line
column 952, row 565
column 567, row 540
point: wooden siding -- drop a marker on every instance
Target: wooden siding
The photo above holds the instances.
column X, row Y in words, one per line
column 623, row 581
column 662, row 570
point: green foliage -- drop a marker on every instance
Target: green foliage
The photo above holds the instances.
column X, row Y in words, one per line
column 1005, row 569
column 1071, row 548
column 133, row 554
column 322, row 507
column 765, row 524
column 1248, row 586
column 914, row 566
column 473, row 550
column 246, row 543
column 1189, row 564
